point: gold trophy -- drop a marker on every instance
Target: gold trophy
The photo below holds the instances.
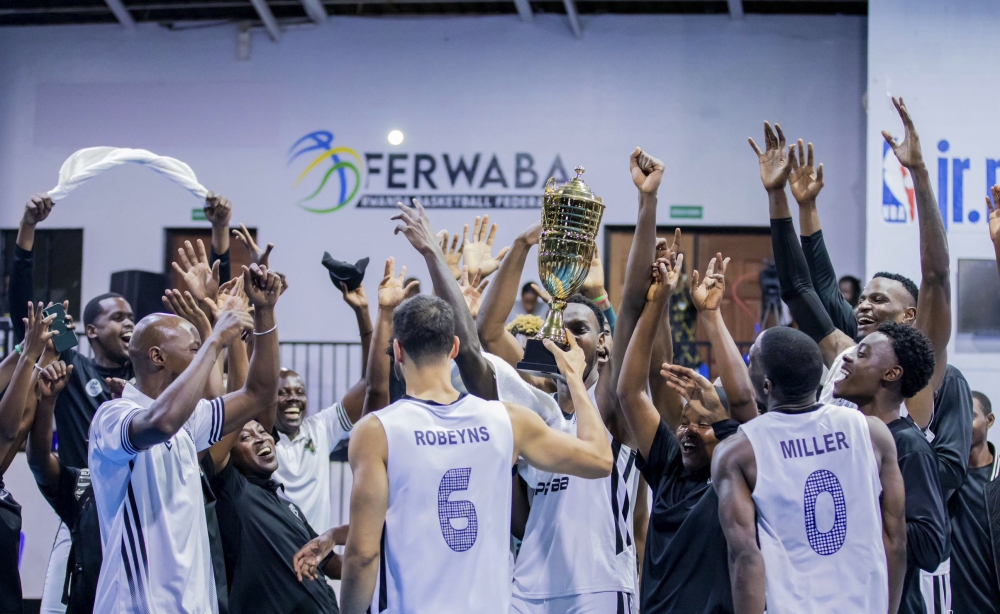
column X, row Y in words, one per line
column 571, row 216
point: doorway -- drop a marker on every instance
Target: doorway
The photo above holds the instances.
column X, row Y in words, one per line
column 749, row 249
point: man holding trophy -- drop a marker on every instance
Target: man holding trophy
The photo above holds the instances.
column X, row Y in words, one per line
column 578, row 551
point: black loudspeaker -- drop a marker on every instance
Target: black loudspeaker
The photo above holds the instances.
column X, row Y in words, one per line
column 142, row 289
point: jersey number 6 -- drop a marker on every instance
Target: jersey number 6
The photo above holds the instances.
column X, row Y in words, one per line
column 826, row 542
column 458, row 540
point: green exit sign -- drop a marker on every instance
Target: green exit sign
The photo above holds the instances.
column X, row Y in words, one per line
column 691, row 212
column 198, row 215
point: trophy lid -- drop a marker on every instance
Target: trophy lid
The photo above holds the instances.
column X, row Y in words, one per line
column 575, row 188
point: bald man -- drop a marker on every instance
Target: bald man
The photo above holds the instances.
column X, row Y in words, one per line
column 144, row 453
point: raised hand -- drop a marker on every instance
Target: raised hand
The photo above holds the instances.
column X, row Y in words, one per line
column 908, row 152
column 231, row 324
column 454, row 255
column 532, row 235
column 391, row 291
column 116, row 386
column 647, row 171
column 257, row 255
column 479, row 252
column 38, row 207
column 472, row 290
column 52, row 379
column 593, row 285
column 201, row 279
column 665, row 278
column 356, row 298
column 700, row 393
column 572, row 363
column 775, row 160
column 707, row 294
column 262, row 286
column 994, row 209
column 543, row 294
column 416, row 227
column 805, row 181
column 36, row 332
column 218, row 209
column 185, row 305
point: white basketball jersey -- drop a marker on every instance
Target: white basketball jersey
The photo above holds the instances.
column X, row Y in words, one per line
column 447, row 530
column 578, row 538
column 819, row 521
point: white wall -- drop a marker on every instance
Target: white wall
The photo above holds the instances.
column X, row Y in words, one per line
column 689, row 89
column 937, row 55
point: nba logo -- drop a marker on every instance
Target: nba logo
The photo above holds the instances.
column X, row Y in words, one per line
column 899, row 204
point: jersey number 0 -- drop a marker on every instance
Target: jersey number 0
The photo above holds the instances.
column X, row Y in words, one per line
column 825, row 542
column 458, row 540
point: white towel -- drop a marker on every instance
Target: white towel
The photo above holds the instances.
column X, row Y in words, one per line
column 92, row 161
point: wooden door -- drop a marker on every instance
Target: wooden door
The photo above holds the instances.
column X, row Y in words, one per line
column 238, row 255
column 747, row 249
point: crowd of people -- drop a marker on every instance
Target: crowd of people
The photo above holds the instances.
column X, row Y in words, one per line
column 843, row 466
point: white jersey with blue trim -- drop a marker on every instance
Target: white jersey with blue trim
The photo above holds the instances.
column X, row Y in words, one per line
column 447, row 529
column 819, row 521
column 152, row 512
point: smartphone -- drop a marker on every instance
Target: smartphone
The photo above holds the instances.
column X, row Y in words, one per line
column 66, row 338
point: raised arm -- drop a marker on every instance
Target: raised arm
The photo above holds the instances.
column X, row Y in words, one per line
column 476, row 371
column 368, row 453
column 806, row 181
column 994, row 209
column 500, row 297
column 43, row 463
column 893, row 503
column 391, row 293
column 707, row 298
column 38, row 207
column 934, row 305
column 588, row 455
column 793, row 272
column 354, row 399
column 738, row 516
column 219, row 211
column 640, row 413
column 12, row 403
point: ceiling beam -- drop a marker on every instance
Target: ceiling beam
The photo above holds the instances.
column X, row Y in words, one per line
column 524, row 10
column 266, row 16
column 574, row 18
column 121, row 13
column 315, row 10
column 736, row 9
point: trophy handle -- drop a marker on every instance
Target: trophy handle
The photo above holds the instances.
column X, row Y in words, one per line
column 550, row 185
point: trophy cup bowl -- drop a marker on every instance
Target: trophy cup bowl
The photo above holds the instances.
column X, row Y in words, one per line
column 571, row 217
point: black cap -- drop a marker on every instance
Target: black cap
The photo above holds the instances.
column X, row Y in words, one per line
column 344, row 274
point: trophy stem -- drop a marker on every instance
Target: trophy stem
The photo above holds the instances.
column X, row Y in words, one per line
column 553, row 329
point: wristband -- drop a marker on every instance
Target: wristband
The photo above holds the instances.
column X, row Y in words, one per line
column 271, row 330
column 602, row 297
column 19, row 347
column 603, row 304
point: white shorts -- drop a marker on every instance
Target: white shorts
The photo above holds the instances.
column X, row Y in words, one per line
column 55, row 574
column 590, row 603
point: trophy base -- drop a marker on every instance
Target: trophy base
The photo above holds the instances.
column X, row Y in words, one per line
column 539, row 361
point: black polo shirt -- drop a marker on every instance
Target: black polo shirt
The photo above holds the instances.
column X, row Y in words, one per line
column 261, row 532
column 10, row 548
column 974, row 586
column 686, row 567
column 927, row 525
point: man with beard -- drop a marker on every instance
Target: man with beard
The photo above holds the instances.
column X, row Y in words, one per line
column 675, row 451
column 889, row 366
column 802, row 489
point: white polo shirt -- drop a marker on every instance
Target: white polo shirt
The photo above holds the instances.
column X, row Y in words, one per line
column 304, row 463
column 152, row 512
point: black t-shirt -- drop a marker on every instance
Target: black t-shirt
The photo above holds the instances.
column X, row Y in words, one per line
column 219, row 569
column 79, row 401
column 72, row 498
column 952, row 428
column 261, row 532
column 686, row 569
column 10, row 548
column 927, row 525
column 973, row 570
